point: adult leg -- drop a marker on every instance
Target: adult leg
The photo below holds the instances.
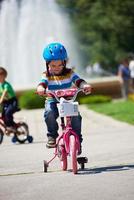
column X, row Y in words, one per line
column 126, row 86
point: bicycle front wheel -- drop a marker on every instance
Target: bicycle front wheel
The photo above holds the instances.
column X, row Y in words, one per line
column 64, row 159
column 73, row 154
column 22, row 132
column 62, row 156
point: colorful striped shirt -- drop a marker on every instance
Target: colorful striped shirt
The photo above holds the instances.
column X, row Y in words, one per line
column 58, row 82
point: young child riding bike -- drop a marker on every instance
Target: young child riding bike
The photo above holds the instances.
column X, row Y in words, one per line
column 8, row 101
column 56, row 77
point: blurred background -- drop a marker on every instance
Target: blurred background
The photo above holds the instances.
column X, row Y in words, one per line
column 98, row 34
column 26, row 27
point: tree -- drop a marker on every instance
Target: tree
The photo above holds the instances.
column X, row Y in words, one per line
column 105, row 28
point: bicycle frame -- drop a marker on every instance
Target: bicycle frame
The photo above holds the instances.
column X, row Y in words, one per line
column 66, row 134
column 3, row 126
column 20, row 134
column 64, row 142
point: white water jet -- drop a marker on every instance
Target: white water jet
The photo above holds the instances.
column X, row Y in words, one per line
column 25, row 29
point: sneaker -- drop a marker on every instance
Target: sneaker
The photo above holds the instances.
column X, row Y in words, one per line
column 51, row 143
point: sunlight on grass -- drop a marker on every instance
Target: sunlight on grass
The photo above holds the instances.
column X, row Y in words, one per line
column 123, row 111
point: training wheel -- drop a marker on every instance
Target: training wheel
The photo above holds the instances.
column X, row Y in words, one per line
column 82, row 161
column 45, row 166
column 30, row 139
column 14, row 139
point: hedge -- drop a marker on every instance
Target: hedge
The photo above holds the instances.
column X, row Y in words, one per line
column 30, row 100
column 94, row 99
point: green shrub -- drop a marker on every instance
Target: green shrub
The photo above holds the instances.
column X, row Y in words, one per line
column 30, row 100
column 94, row 99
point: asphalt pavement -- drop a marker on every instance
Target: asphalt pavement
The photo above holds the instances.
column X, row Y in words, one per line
column 108, row 175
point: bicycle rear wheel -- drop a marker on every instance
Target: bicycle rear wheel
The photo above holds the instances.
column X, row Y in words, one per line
column 62, row 156
column 1, row 136
column 73, row 154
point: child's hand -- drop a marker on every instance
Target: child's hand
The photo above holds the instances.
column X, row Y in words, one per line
column 41, row 90
column 87, row 89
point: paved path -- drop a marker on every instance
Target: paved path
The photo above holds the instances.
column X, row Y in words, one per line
column 108, row 144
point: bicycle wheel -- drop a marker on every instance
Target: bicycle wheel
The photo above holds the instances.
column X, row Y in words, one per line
column 73, row 154
column 62, row 156
column 1, row 136
column 22, row 132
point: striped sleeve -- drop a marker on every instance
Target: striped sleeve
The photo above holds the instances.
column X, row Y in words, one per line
column 77, row 80
column 44, row 81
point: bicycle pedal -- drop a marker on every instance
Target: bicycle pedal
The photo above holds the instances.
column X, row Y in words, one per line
column 81, row 160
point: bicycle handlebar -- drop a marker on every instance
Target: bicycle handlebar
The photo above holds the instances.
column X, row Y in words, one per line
column 73, row 92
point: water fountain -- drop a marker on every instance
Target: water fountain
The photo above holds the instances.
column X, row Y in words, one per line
column 26, row 26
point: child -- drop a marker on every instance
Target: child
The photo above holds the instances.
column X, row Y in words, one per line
column 8, row 100
column 56, row 77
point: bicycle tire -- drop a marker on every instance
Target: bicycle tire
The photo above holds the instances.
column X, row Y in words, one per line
column 73, row 154
column 45, row 166
column 1, row 136
column 63, row 159
column 22, row 132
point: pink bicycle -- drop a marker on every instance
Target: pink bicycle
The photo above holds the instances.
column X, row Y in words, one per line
column 67, row 143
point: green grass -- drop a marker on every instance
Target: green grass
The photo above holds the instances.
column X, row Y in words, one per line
column 120, row 110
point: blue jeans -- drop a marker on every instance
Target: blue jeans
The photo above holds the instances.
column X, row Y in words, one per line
column 51, row 114
column 9, row 108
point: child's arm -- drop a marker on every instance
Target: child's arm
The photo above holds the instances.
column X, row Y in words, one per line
column 41, row 88
column 3, row 96
column 80, row 83
column 86, row 87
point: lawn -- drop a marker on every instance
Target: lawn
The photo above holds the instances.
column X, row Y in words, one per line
column 120, row 110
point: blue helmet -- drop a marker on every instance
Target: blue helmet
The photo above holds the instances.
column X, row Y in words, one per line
column 55, row 51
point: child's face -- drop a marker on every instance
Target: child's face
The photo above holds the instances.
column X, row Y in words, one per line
column 2, row 76
column 55, row 67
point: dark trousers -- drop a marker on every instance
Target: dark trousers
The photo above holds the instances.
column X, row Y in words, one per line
column 9, row 108
column 51, row 114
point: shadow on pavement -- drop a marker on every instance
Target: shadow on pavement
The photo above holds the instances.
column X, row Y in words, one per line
column 87, row 171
